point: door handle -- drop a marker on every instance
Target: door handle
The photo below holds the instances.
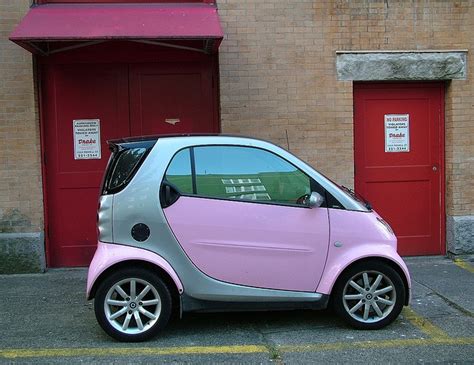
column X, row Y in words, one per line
column 435, row 168
column 169, row 194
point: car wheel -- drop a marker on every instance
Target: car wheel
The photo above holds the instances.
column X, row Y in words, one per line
column 369, row 295
column 132, row 305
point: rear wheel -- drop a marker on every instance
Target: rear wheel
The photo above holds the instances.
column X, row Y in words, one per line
column 369, row 295
column 132, row 305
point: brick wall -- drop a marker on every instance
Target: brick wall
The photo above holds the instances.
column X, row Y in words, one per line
column 21, row 207
column 278, row 79
column 278, row 76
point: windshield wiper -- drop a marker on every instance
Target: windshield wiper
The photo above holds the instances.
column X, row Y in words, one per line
column 357, row 196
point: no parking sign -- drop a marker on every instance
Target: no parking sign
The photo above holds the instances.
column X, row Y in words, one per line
column 397, row 133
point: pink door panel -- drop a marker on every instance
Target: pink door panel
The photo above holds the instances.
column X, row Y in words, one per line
column 260, row 245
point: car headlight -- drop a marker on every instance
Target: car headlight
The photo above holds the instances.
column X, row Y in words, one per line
column 386, row 225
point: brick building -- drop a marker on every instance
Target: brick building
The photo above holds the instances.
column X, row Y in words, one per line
column 322, row 78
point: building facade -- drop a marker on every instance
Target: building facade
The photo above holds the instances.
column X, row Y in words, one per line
column 377, row 95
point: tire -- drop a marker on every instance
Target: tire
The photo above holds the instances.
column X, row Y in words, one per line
column 374, row 308
column 128, row 315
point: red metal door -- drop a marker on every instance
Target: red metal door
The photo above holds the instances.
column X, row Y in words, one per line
column 127, row 100
column 399, row 155
column 169, row 98
column 72, row 185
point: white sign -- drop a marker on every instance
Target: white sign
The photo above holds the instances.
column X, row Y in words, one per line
column 86, row 139
column 397, row 133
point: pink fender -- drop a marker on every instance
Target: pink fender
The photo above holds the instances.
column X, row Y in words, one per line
column 109, row 254
column 355, row 236
column 338, row 262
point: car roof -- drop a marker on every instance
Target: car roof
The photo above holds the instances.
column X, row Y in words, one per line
column 155, row 137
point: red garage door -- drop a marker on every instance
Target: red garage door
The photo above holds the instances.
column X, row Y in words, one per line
column 399, row 146
column 112, row 101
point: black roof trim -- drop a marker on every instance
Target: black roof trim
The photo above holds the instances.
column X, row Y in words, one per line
column 155, row 137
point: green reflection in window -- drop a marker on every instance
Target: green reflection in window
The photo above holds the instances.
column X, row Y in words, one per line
column 245, row 173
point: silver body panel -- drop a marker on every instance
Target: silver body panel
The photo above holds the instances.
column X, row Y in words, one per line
column 104, row 218
column 139, row 203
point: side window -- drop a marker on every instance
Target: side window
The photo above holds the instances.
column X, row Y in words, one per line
column 122, row 167
column 245, row 173
column 179, row 172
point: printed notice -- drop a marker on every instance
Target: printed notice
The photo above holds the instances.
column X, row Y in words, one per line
column 397, row 133
column 86, row 139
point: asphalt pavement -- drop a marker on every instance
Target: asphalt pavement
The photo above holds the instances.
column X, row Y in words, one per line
column 47, row 320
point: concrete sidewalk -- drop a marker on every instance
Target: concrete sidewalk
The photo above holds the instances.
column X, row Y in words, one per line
column 46, row 319
column 451, row 280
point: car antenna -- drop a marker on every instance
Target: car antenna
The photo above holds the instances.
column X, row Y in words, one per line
column 287, row 140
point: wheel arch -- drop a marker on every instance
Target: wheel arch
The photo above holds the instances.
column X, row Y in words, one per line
column 151, row 267
column 384, row 260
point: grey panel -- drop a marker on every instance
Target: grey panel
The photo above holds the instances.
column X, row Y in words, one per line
column 104, row 223
column 139, row 203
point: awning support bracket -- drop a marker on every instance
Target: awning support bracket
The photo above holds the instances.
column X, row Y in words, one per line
column 57, row 50
column 34, row 46
column 208, row 46
column 176, row 46
column 85, row 44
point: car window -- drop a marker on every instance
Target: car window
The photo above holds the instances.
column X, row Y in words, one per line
column 179, row 172
column 123, row 166
column 246, row 173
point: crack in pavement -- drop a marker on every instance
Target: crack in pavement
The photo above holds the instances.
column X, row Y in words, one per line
column 448, row 301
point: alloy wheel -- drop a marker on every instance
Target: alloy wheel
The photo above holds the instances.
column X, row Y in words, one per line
column 132, row 306
column 369, row 296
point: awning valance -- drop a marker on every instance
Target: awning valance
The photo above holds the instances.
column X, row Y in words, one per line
column 75, row 25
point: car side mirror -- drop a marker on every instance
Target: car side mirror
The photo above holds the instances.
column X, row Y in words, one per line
column 315, row 200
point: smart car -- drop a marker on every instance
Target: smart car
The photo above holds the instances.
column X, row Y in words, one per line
column 191, row 223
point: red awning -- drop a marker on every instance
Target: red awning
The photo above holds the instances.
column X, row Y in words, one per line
column 94, row 23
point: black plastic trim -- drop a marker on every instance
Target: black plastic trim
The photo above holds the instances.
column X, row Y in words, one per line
column 169, row 194
column 193, row 169
column 248, row 201
column 190, row 304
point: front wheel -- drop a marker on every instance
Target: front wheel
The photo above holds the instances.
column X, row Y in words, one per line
column 369, row 295
column 132, row 305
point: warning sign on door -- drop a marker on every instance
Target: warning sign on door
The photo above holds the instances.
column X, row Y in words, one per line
column 86, row 139
column 397, row 133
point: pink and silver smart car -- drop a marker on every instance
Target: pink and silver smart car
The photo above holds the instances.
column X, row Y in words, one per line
column 226, row 223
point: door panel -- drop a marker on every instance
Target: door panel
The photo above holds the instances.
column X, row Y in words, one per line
column 79, row 92
column 260, row 245
column 167, row 99
column 406, row 188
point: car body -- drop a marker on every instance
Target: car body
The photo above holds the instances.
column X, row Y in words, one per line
column 222, row 223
